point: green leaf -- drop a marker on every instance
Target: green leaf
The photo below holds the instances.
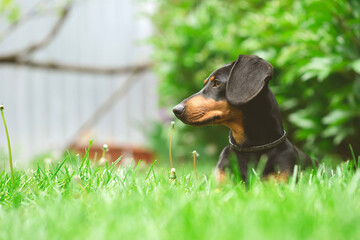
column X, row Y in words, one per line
column 337, row 116
column 331, row 131
column 342, row 135
column 356, row 66
column 319, row 67
column 302, row 121
column 14, row 14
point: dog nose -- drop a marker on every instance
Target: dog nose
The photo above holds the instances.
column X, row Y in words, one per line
column 178, row 109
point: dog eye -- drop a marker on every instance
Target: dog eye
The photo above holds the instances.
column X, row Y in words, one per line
column 216, row 83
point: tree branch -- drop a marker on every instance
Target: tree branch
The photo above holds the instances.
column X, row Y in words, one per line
column 13, row 57
column 78, row 68
column 22, row 57
column 104, row 108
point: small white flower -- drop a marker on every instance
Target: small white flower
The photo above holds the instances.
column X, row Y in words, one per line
column 195, row 153
column 2, row 107
column 172, row 175
column 105, row 147
column 172, row 124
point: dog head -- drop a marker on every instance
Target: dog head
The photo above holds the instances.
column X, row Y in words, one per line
column 225, row 91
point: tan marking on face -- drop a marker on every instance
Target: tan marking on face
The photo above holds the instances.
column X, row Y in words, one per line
column 280, row 177
column 202, row 111
column 211, row 78
column 205, row 81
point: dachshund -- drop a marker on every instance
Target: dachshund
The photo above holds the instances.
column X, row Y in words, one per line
column 238, row 96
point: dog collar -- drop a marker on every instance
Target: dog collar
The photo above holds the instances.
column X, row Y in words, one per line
column 257, row 148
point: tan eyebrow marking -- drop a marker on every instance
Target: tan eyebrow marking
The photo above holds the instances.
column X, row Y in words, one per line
column 206, row 80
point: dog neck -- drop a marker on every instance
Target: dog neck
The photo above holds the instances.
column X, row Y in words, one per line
column 261, row 121
column 237, row 130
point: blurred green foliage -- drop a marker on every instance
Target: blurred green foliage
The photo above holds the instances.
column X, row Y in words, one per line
column 313, row 45
column 9, row 10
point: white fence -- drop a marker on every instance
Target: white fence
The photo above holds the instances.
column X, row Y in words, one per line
column 45, row 108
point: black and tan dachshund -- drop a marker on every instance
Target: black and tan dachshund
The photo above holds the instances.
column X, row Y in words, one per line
column 238, row 96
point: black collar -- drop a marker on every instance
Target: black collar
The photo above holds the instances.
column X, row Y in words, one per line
column 257, row 148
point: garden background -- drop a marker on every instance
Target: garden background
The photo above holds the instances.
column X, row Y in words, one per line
column 143, row 57
column 313, row 45
column 111, row 71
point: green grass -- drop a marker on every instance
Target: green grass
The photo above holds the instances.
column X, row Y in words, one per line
column 75, row 200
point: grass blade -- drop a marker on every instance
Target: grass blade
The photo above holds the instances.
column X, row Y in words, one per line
column 59, row 167
column 151, row 168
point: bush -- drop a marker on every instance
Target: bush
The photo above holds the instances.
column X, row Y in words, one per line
column 313, row 45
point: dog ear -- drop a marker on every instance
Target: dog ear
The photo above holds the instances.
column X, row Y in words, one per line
column 248, row 77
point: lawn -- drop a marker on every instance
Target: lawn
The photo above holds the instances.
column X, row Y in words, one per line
column 75, row 199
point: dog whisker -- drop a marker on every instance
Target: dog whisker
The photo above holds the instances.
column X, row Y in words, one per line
column 196, row 116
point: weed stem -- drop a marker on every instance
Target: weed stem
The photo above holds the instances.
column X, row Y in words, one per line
column 8, row 141
column 105, row 149
column 171, row 129
column 195, row 154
